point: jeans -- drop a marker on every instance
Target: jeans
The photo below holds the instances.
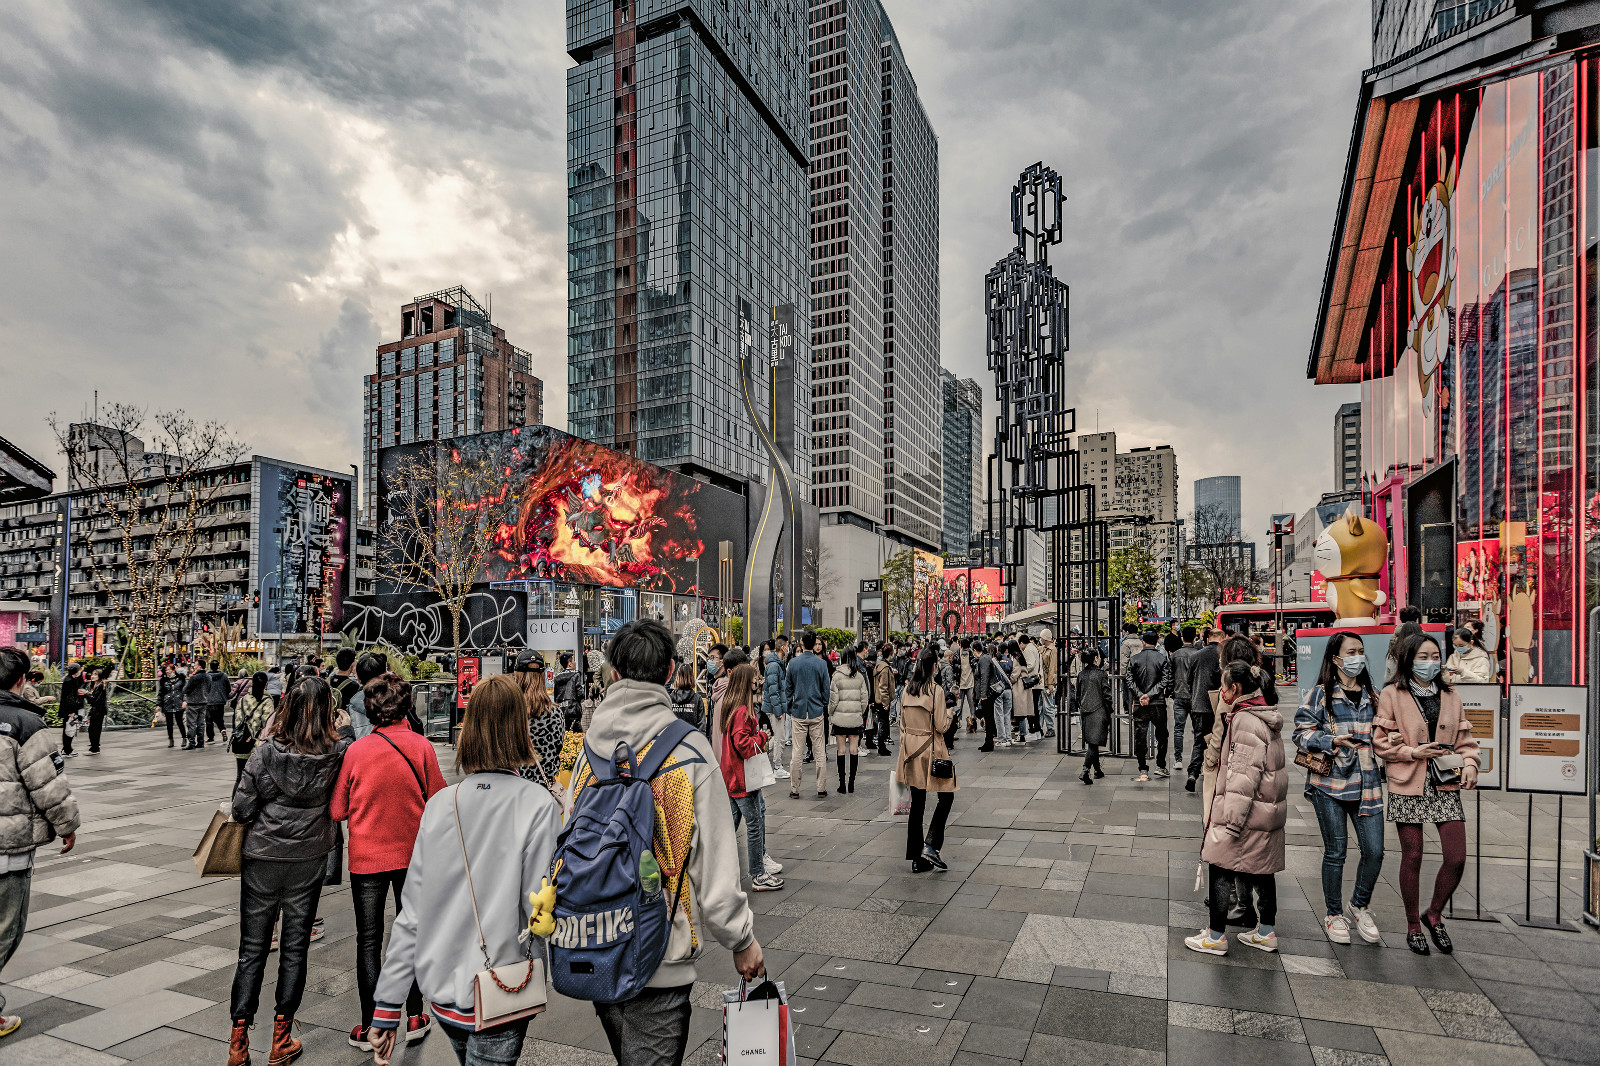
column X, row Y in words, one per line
column 804, row 728
column 1045, row 706
column 369, row 892
column 986, row 715
column 941, row 812
column 1180, row 713
column 264, row 889
column 1002, row 715
column 175, row 719
column 1202, row 721
column 1091, row 759
column 500, row 1046
column 780, row 730
column 1331, row 815
column 752, row 810
column 14, row 888
column 194, row 721
column 652, row 1028
column 1141, row 733
column 97, row 721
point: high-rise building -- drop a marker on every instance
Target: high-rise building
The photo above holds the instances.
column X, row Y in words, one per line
column 687, row 156
column 1347, row 448
column 876, row 402
column 451, row 374
column 911, row 387
column 1220, row 492
column 963, row 461
column 1137, row 496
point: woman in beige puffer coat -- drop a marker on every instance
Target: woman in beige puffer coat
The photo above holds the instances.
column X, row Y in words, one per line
column 847, row 712
column 1244, row 827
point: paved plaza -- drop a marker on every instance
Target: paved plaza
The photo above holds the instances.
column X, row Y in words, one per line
column 1056, row 937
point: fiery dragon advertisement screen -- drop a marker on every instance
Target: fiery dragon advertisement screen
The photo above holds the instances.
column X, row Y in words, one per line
column 575, row 511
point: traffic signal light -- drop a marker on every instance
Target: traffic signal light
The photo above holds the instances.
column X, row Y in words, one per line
column 255, row 598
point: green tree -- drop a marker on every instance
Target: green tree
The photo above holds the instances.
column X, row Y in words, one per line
column 1134, row 573
column 899, row 584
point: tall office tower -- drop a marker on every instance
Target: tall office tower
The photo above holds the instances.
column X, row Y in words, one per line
column 687, row 152
column 912, row 432
column 1347, row 448
column 963, row 461
column 452, row 373
column 1222, row 492
column 847, row 264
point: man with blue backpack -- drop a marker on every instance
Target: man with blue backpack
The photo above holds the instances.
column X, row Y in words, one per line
column 636, row 894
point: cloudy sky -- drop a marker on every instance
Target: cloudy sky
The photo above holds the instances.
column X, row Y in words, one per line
column 221, row 206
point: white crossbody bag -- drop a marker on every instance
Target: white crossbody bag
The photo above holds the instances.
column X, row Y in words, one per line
column 506, row 993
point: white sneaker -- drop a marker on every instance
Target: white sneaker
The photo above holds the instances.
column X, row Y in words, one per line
column 1256, row 940
column 1001, row 742
column 1365, row 925
column 1205, row 945
column 781, row 774
column 1337, row 928
column 766, row 883
column 771, row 865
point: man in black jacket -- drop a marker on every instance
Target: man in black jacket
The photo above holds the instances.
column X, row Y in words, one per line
column 1149, row 680
column 1182, row 675
column 1205, row 677
column 196, row 693
column 983, row 676
column 217, row 686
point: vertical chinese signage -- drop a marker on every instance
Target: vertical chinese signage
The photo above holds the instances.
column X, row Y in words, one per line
column 304, row 545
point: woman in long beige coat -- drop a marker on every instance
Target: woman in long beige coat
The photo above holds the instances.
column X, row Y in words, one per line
column 924, row 718
column 1244, row 826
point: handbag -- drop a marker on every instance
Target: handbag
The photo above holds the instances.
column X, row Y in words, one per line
column 758, row 772
column 1318, row 762
column 943, row 769
column 756, row 1025
column 496, row 1000
column 1446, row 769
column 221, row 850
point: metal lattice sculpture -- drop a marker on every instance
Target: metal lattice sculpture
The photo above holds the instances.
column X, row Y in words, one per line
column 1036, row 503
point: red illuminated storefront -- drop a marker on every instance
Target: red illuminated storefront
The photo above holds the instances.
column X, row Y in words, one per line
column 1461, row 298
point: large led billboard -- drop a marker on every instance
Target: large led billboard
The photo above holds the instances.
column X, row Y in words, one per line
column 304, row 542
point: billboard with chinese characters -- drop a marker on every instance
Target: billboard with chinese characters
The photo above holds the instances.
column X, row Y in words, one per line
column 304, row 534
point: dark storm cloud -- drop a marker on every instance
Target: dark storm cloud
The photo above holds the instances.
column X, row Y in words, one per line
column 224, row 204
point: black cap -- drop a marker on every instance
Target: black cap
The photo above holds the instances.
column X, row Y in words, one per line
column 530, row 660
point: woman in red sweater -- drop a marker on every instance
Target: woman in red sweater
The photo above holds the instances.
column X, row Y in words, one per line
column 743, row 738
column 387, row 777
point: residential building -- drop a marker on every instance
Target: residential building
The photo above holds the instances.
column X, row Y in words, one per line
column 274, row 551
column 964, row 457
column 912, row 424
column 452, row 373
column 687, row 156
column 1221, row 493
column 1137, row 496
column 1347, row 448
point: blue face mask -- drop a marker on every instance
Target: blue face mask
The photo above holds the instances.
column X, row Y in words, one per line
column 1425, row 670
column 1353, row 665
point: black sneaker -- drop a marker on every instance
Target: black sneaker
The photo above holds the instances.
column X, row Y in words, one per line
column 930, row 855
column 1085, row 778
column 920, row 866
column 1188, row 786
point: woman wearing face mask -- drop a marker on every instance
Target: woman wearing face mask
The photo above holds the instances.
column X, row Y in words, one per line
column 1336, row 718
column 1470, row 663
column 1425, row 739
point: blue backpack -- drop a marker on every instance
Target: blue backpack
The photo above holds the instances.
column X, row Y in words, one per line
column 611, row 928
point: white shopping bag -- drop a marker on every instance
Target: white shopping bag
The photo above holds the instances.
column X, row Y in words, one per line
column 899, row 797
column 758, row 772
column 755, row 1025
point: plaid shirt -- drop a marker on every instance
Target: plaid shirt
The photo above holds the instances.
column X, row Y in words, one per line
column 1357, row 774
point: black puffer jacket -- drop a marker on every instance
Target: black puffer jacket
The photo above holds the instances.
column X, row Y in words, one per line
column 283, row 799
column 171, row 694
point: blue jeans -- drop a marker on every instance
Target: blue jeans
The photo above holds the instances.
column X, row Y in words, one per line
column 14, row 888
column 1045, row 708
column 1331, row 815
column 1180, row 712
column 500, row 1046
column 1002, row 714
column 651, row 1029
column 752, row 810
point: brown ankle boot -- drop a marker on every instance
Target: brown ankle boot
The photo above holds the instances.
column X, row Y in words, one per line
column 285, row 1048
column 239, row 1045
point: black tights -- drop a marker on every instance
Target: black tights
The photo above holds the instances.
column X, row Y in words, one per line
column 1266, row 892
column 935, row 836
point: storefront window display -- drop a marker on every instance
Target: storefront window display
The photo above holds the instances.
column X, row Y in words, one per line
column 1481, row 351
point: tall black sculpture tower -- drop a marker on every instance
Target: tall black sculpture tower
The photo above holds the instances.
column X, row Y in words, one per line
column 1036, row 503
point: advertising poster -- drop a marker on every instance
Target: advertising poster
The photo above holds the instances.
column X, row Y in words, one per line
column 466, row 677
column 1481, row 703
column 1548, row 739
column 550, row 637
column 304, row 544
column 1311, row 643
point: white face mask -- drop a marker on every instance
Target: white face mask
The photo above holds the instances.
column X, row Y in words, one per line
column 1353, row 665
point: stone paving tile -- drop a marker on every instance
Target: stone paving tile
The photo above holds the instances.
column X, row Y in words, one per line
column 46, row 1050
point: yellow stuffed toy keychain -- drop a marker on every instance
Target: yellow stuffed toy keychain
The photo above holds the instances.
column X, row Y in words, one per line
column 542, row 922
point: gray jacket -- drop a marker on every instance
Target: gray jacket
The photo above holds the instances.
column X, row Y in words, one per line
column 217, row 686
column 283, row 800
column 36, row 803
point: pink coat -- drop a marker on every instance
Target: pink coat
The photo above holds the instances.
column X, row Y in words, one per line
column 1398, row 730
column 1250, row 803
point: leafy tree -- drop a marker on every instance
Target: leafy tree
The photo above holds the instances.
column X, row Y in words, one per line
column 1134, row 573
column 836, row 638
column 899, row 584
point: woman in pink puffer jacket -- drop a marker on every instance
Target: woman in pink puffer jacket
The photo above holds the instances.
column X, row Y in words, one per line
column 1244, row 829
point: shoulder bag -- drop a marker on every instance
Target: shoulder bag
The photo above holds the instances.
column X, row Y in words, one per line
column 1318, row 762
column 420, row 786
column 495, row 999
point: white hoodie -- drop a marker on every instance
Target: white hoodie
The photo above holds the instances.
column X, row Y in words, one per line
column 636, row 711
column 510, row 826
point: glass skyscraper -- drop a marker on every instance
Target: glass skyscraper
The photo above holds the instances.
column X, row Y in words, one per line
column 964, row 459
column 687, row 154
